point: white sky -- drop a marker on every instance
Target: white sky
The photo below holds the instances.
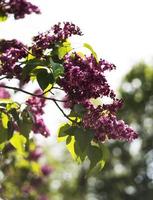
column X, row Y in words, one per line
column 121, row 31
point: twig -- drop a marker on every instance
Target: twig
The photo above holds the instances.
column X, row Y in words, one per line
column 3, row 78
column 26, row 92
column 57, row 88
column 64, row 112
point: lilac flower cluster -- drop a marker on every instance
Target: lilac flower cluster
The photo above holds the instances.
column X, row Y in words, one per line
column 57, row 34
column 84, row 79
column 36, row 106
column 19, row 8
column 11, row 51
column 106, row 125
column 4, row 94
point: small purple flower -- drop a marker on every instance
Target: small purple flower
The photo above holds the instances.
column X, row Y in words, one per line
column 35, row 154
column 46, row 170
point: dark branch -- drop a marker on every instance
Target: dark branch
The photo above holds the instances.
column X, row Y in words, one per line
column 64, row 112
column 26, row 92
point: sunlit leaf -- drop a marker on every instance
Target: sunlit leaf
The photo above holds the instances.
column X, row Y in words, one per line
column 18, row 141
column 3, row 16
column 88, row 46
column 35, row 167
column 5, row 120
column 70, row 146
column 64, row 49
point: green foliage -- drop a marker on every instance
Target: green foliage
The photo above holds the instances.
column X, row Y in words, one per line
column 80, row 143
column 3, row 17
column 44, row 78
column 11, row 113
column 89, row 47
column 64, row 49
column 57, row 69
column 18, row 141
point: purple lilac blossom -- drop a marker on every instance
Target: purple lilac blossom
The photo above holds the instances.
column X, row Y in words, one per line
column 36, row 153
column 36, row 106
column 19, row 8
column 11, row 51
column 58, row 34
column 106, row 125
column 4, row 94
column 84, row 79
column 46, row 170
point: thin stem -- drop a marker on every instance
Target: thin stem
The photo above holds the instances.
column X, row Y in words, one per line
column 3, row 78
column 40, row 96
column 57, row 88
column 26, row 92
column 64, row 112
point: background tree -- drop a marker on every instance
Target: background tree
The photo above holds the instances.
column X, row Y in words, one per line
column 129, row 174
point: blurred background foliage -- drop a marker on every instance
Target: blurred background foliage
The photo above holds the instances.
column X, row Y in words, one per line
column 128, row 173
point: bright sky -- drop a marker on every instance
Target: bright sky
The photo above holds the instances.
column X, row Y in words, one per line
column 121, row 31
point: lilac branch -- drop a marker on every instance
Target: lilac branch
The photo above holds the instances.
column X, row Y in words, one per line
column 26, row 92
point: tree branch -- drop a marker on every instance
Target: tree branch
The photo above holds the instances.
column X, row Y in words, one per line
column 26, row 92
column 41, row 96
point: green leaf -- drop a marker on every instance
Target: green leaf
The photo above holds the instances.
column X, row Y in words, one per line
column 88, row 46
column 83, row 138
column 10, row 129
column 18, row 141
column 3, row 134
column 4, row 120
column 63, row 129
column 44, row 78
column 15, row 114
column 95, row 156
column 70, row 146
column 30, row 66
column 3, row 16
column 35, row 167
column 6, row 128
column 64, row 49
column 2, row 145
column 58, row 69
column 25, row 123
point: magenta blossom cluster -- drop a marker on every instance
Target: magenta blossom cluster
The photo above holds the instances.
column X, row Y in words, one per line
column 84, row 79
column 4, row 94
column 105, row 124
column 11, row 52
column 19, row 8
column 57, row 34
column 36, row 105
